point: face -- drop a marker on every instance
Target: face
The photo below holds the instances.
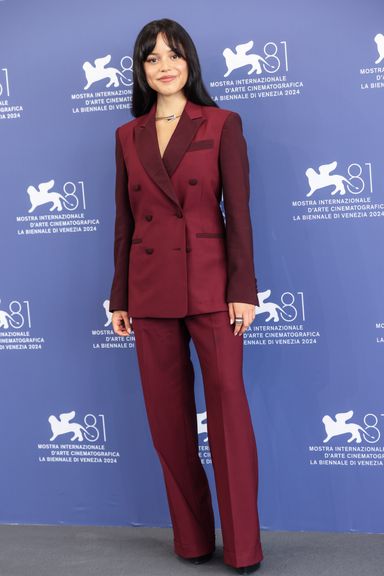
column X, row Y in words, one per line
column 165, row 71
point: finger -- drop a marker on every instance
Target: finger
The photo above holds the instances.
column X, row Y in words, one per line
column 247, row 319
column 236, row 315
column 115, row 324
column 119, row 325
column 120, row 329
column 127, row 324
column 238, row 324
column 243, row 326
column 231, row 312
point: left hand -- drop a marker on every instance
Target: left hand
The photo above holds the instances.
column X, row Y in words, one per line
column 246, row 312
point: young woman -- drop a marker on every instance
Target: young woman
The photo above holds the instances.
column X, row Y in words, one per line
column 181, row 272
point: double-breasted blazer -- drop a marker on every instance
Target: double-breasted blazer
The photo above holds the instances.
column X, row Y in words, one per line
column 175, row 254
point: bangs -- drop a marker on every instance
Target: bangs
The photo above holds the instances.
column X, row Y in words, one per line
column 171, row 39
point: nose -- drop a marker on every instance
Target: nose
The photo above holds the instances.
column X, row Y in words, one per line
column 164, row 64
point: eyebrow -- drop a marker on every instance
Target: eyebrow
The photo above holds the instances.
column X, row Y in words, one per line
column 157, row 54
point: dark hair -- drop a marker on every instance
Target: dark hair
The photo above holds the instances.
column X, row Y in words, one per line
column 178, row 39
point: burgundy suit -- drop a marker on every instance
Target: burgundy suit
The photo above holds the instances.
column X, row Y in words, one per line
column 182, row 260
column 177, row 265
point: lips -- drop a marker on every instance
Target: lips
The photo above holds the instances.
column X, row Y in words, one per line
column 167, row 78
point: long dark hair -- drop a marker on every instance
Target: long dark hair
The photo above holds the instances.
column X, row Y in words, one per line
column 178, row 39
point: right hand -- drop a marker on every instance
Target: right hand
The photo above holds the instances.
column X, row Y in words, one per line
column 120, row 323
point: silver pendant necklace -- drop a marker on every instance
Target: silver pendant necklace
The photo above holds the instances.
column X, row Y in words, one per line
column 168, row 118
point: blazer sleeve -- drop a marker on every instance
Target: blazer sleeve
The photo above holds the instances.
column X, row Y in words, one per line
column 234, row 167
column 124, row 226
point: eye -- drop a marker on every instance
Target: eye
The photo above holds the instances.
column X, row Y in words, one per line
column 175, row 57
column 151, row 60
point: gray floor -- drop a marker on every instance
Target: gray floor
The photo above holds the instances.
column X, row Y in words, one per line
column 127, row 551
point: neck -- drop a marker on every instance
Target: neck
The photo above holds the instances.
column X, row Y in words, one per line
column 167, row 105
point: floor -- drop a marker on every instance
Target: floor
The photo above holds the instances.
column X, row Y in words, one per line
column 131, row 551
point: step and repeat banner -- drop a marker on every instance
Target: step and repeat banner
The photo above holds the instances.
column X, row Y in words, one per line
column 307, row 79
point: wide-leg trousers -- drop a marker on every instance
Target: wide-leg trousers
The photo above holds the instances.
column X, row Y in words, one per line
column 167, row 378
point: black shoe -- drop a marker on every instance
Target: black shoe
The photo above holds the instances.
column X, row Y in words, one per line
column 199, row 559
column 248, row 569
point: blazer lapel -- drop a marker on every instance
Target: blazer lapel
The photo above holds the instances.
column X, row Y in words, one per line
column 185, row 131
column 149, row 154
column 160, row 169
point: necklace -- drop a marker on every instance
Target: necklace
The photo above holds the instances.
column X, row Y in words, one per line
column 167, row 118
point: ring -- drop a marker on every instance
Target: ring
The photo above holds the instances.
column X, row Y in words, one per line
column 238, row 320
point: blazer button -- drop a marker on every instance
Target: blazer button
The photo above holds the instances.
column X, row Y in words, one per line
column 149, row 250
column 148, row 217
column 136, row 187
column 179, row 214
column 193, row 181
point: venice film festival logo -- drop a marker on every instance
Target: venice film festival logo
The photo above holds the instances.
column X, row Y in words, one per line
column 344, row 194
column 349, row 442
column 281, row 322
column 255, row 73
column 52, row 209
column 63, row 425
column 9, row 109
column 241, row 58
column 43, row 194
column 16, row 327
column 107, row 87
column 75, row 441
column 104, row 337
column 372, row 76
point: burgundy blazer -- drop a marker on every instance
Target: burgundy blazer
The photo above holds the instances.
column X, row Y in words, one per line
column 174, row 254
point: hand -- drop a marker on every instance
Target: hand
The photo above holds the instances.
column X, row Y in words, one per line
column 120, row 323
column 241, row 310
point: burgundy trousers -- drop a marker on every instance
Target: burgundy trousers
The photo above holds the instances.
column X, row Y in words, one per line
column 167, row 378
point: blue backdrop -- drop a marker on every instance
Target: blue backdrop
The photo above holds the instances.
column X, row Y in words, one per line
column 308, row 81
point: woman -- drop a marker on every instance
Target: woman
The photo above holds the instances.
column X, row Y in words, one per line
column 182, row 273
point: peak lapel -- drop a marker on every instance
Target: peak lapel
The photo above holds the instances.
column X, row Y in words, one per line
column 190, row 121
column 149, row 155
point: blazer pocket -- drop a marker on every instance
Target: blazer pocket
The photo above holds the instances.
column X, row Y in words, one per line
column 200, row 145
column 210, row 235
column 137, row 240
